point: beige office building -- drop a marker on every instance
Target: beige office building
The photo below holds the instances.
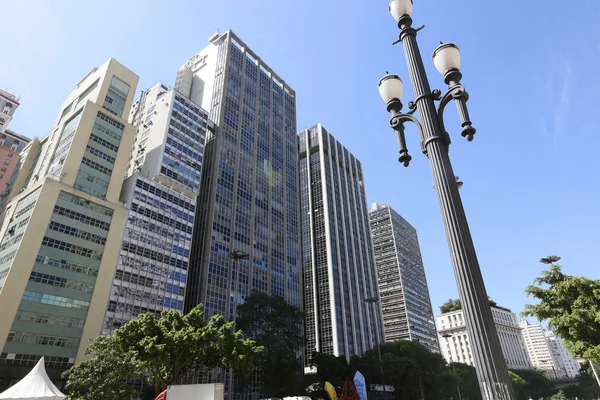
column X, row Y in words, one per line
column 63, row 226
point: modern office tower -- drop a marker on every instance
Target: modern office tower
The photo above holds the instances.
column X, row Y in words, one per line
column 547, row 352
column 403, row 291
column 456, row 346
column 11, row 143
column 248, row 200
column 160, row 194
column 337, row 253
column 63, row 227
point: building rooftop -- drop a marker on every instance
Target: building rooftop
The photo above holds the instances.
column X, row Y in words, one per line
column 9, row 96
column 16, row 135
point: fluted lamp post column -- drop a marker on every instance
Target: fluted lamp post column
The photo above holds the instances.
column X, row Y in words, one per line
column 489, row 361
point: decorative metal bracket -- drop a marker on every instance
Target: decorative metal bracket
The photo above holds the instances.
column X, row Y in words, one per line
column 457, row 93
column 397, row 124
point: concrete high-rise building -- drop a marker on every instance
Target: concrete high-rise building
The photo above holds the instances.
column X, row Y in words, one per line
column 456, row 345
column 405, row 303
column 339, row 267
column 547, row 352
column 160, row 193
column 63, row 226
column 11, row 143
column 248, row 199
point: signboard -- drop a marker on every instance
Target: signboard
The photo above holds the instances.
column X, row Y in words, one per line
column 360, row 385
column 330, row 390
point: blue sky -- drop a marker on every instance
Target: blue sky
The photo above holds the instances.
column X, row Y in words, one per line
column 531, row 67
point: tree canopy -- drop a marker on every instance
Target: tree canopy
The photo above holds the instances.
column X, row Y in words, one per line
column 170, row 350
column 572, row 306
column 277, row 326
column 454, row 305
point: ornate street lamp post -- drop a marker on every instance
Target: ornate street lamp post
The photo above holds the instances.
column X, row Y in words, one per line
column 489, row 362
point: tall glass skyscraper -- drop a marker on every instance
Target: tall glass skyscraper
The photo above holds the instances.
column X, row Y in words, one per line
column 248, row 198
column 405, row 303
column 338, row 263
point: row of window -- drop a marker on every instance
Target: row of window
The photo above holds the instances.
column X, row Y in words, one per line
column 58, row 301
column 49, row 319
column 100, row 154
column 81, row 217
column 98, row 167
column 163, row 219
column 45, row 340
column 61, row 282
column 71, row 248
column 104, row 143
column 85, row 203
column 68, row 265
column 78, row 233
column 32, row 359
column 165, row 195
column 153, row 255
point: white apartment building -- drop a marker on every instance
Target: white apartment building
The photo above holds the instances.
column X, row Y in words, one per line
column 548, row 353
column 455, row 344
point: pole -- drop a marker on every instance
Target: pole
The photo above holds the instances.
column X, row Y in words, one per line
column 489, row 362
column 448, row 336
column 595, row 373
column 372, row 301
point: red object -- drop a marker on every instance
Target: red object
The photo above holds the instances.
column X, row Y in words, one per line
column 162, row 396
column 348, row 387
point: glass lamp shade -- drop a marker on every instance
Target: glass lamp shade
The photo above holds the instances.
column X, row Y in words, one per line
column 446, row 57
column 399, row 8
column 390, row 87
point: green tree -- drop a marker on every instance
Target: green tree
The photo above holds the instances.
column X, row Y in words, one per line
column 331, row 369
column 454, row 305
column 103, row 376
column 560, row 395
column 467, row 381
column 277, row 326
column 535, row 384
column 587, row 383
column 572, row 305
column 415, row 372
column 450, row 305
column 170, row 350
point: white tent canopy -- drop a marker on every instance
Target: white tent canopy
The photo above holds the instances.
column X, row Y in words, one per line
column 35, row 386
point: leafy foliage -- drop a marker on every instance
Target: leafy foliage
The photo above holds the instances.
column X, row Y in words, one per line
column 450, row 305
column 560, row 395
column 170, row 350
column 454, row 305
column 530, row 384
column 414, row 371
column 102, row 377
column 572, row 305
column 277, row 326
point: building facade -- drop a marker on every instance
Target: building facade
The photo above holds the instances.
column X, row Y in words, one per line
column 62, row 231
column 548, row 353
column 8, row 105
column 11, row 143
column 338, row 262
column 248, row 198
column 455, row 341
column 403, row 290
column 160, row 193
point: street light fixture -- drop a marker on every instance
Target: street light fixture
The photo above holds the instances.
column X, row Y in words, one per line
column 448, row 336
column 373, row 300
column 491, row 368
column 234, row 255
